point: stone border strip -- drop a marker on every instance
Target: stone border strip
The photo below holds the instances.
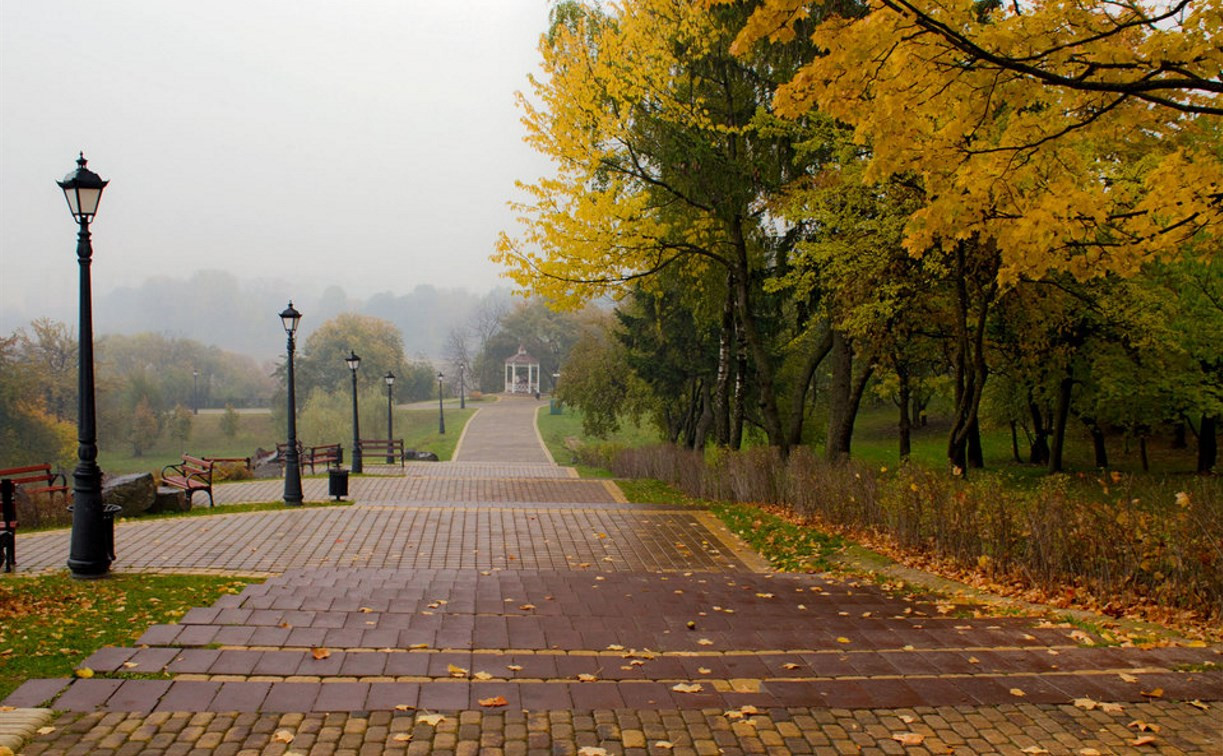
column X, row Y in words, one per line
column 454, row 455
column 20, row 725
column 733, row 543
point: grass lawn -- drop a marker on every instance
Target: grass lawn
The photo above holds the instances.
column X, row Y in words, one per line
column 556, row 428
column 49, row 624
column 417, row 427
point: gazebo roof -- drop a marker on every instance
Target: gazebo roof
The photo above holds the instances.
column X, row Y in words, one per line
column 522, row 358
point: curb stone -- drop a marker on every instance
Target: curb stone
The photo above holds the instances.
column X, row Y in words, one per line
column 19, row 725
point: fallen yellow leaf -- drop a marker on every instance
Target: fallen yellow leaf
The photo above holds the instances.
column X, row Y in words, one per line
column 430, row 719
column 908, row 738
column 320, row 653
column 482, row 676
column 587, row 677
column 1143, row 740
column 686, row 688
column 1017, row 692
column 83, row 672
column 456, row 671
column 1154, row 693
column 494, row 701
column 282, row 736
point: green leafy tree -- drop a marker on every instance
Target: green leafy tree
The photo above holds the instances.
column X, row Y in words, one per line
column 180, row 425
column 230, row 421
column 143, row 427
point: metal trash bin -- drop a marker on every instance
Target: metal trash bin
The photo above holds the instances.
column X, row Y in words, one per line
column 337, row 482
column 555, row 407
column 108, row 526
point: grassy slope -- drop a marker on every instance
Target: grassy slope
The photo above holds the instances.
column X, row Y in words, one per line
column 418, row 427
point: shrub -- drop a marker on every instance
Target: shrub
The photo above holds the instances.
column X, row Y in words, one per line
column 1146, row 541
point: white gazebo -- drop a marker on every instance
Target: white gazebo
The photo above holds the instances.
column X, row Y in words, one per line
column 521, row 373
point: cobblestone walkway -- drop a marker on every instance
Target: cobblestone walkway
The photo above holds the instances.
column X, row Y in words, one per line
column 528, row 626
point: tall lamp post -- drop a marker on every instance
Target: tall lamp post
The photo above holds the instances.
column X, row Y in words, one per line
column 89, row 553
column 441, row 414
column 293, row 473
column 390, row 415
column 354, row 362
column 462, row 392
column 195, row 391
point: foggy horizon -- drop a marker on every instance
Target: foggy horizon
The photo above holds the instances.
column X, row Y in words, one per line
column 373, row 147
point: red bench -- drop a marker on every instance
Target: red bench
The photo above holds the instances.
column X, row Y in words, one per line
column 191, row 475
column 392, row 449
column 31, row 475
column 29, row 478
column 325, row 455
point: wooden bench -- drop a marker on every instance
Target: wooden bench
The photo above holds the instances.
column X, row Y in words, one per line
column 191, row 475
column 244, row 461
column 391, row 449
column 325, row 455
column 31, row 475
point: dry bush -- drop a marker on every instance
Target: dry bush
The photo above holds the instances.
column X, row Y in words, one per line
column 1129, row 540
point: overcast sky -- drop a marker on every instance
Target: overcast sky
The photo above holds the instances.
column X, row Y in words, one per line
column 371, row 144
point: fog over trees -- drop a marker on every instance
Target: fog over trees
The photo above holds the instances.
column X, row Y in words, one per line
column 219, row 308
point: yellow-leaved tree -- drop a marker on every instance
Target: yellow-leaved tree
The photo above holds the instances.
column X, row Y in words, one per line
column 660, row 164
column 1077, row 135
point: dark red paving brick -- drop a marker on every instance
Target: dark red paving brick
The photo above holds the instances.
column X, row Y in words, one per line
column 240, row 696
column 138, row 695
column 34, row 693
column 342, row 696
column 87, row 695
column 189, row 695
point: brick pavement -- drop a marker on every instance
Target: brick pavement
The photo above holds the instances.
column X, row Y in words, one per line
column 538, row 627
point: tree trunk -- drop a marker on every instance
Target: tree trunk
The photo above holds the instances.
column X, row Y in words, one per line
column 1038, row 449
column 705, row 421
column 1097, row 442
column 798, row 398
column 1059, row 422
column 969, row 361
column 1142, row 452
column 761, row 359
column 726, row 344
column 905, row 426
column 739, row 408
column 976, row 458
column 1208, row 444
column 839, row 389
column 1015, row 443
column 1180, row 438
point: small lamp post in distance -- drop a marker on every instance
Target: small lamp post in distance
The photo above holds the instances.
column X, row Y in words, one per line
column 441, row 414
column 354, row 362
column 389, row 378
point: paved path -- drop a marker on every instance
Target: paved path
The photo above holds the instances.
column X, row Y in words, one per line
column 538, row 613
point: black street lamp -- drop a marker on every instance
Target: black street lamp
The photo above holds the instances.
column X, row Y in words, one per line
column 354, row 362
column 462, row 375
column 441, row 415
column 89, row 553
column 390, row 415
column 195, row 392
column 293, row 473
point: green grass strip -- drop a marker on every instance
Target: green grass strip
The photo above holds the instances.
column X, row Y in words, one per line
column 49, row 624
